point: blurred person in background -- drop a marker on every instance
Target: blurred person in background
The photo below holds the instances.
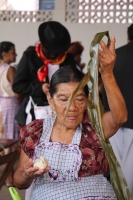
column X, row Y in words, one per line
column 9, row 101
column 76, row 49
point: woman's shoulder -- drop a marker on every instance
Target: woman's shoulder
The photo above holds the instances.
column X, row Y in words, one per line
column 11, row 70
column 33, row 126
column 30, row 136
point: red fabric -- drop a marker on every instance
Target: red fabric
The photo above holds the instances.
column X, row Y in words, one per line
column 30, row 136
column 43, row 71
column 94, row 160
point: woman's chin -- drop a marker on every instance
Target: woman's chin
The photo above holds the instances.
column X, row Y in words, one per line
column 71, row 124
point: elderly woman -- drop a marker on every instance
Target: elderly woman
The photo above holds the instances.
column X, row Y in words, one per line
column 75, row 155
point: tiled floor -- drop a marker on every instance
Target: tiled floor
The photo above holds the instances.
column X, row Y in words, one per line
column 5, row 194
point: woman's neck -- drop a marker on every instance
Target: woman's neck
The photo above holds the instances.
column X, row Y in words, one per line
column 2, row 62
column 62, row 134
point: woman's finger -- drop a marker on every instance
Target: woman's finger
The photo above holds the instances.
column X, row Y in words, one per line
column 28, row 164
column 42, row 171
column 103, row 46
column 112, row 45
column 35, row 172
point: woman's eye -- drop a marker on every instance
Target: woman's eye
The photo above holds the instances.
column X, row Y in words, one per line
column 64, row 100
column 79, row 100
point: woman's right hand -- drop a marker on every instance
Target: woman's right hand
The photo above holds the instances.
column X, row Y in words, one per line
column 33, row 172
column 45, row 88
column 107, row 58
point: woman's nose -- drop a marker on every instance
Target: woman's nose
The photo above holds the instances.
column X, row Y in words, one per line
column 73, row 106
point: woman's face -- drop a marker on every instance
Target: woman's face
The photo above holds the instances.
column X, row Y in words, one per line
column 10, row 56
column 59, row 101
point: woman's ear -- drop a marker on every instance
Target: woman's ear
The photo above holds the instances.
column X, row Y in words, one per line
column 3, row 54
column 50, row 100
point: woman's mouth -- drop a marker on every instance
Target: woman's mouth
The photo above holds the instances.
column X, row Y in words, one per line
column 71, row 117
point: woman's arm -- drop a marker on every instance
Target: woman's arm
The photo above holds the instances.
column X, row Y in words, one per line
column 26, row 173
column 10, row 76
column 117, row 115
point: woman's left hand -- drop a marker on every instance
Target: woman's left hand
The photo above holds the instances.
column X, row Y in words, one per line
column 107, row 57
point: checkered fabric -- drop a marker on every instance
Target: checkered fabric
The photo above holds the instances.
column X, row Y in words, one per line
column 62, row 181
column 9, row 108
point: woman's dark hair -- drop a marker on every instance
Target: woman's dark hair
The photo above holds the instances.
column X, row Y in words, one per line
column 76, row 48
column 66, row 74
column 130, row 32
column 5, row 47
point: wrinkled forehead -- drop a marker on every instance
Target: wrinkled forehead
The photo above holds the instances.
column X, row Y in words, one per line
column 68, row 88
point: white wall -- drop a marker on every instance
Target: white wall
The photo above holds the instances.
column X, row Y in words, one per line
column 24, row 34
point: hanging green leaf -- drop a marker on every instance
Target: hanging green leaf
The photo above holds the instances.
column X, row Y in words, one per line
column 95, row 110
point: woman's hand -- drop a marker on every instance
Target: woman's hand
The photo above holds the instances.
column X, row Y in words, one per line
column 107, row 58
column 33, row 172
column 113, row 119
column 26, row 173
